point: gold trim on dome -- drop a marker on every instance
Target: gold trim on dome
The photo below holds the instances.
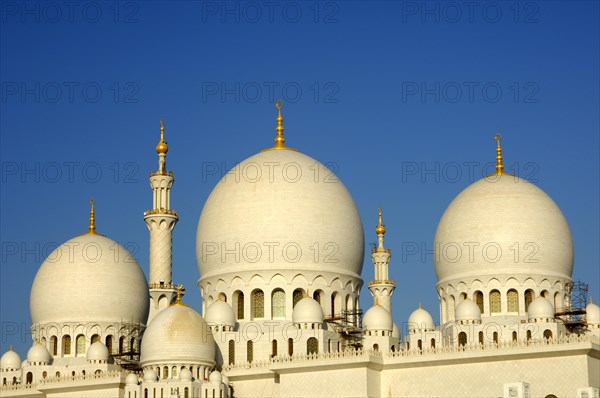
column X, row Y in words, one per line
column 279, row 138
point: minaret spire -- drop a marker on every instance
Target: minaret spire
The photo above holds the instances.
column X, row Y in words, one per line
column 381, row 287
column 161, row 220
column 92, row 225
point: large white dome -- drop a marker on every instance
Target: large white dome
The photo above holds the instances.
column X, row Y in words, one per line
column 270, row 211
column 502, row 226
column 178, row 334
column 89, row 278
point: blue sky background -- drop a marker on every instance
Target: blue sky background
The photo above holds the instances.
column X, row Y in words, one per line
column 377, row 88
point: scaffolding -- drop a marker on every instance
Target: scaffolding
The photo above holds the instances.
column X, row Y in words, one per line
column 128, row 353
column 572, row 314
column 348, row 325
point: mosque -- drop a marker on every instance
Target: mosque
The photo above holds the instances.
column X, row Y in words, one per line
column 280, row 262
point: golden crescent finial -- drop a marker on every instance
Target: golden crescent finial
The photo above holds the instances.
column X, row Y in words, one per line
column 380, row 229
column 279, row 138
column 279, row 105
column 499, row 164
column 162, row 147
column 92, row 225
column 179, row 294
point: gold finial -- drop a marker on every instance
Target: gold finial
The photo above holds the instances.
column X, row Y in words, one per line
column 499, row 164
column 180, row 291
column 420, row 306
column 162, row 147
column 10, row 348
column 279, row 138
column 591, row 302
column 92, row 226
column 380, row 229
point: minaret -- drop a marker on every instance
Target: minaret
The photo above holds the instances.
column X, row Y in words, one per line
column 382, row 287
column 160, row 221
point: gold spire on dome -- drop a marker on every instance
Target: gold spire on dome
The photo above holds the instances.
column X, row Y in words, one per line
column 499, row 164
column 179, row 294
column 92, row 226
column 380, row 229
column 279, row 138
column 162, row 147
column 10, row 348
column 420, row 306
column 591, row 302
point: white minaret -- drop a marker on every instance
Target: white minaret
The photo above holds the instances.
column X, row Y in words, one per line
column 382, row 287
column 160, row 221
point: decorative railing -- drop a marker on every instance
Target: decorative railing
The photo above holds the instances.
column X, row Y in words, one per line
column 167, row 286
column 161, row 173
column 88, row 377
column 160, row 211
column 382, row 282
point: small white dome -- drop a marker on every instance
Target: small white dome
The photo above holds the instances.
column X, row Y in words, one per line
column 178, row 334
column 185, row 375
column 215, row 377
column 225, row 379
column 38, row 353
column 150, row 375
column 540, row 308
column 592, row 312
column 377, row 318
column 308, row 310
column 395, row 331
column 420, row 319
column 132, row 379
column 98, row 280
column 467, row 310
column 220, row 313
column 10, row 360
column 97, row 352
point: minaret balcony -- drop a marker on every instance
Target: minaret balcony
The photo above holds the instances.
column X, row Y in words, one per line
column 383, row 282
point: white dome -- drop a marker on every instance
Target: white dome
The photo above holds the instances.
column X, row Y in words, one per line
column 377, row 318
column 420, row 319
column 150, row 375
column 215, row 377
column 185, row 375
column 395, row 331
column 592, row 312
column 467, row 310
column 132, row 379
column 38, row 353
column 307, row 310
column 540, row 308
column 279, row 196
column 477, row 234
column 178, row 334
column 98, row 281
column 97, row 352
column 10, row 360
column 220, row 313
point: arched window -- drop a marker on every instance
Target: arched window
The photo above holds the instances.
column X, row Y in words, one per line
column 94, row 338
column 481, row 338
column 80, row 346
column 278, row 303
column 231, row 352
column 258, row 304
column 547, row 334
column 528, row 335
column 57, row 374
column 250, row 351
column 109, row 343
column 29, row 377
column 432, row 343
column 317, row 296
column 512, row 298
column 121, row 344
column 222, row 297
column 145, row 393
column 186, row 392
column 274, row 348
column 312, row 346
column 66, row 345
column 495, row 337
column 4, row 381
column 290, row 346
column 165, row 374
column 132, row 345
column 239, row 304
column 335, row 304
column 514, row 337
column 44, row 374
column 297, row 296
column 528, row 298
column 462, row 339
column 478, row 296
column 419, row 344
column 495, row 303
column 375, row 347
column 557, row 304
column 174, row 372
column 451, row 308
column 54, row 345
column 393, row 348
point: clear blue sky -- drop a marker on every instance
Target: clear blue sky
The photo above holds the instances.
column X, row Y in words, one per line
column 382, row 90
